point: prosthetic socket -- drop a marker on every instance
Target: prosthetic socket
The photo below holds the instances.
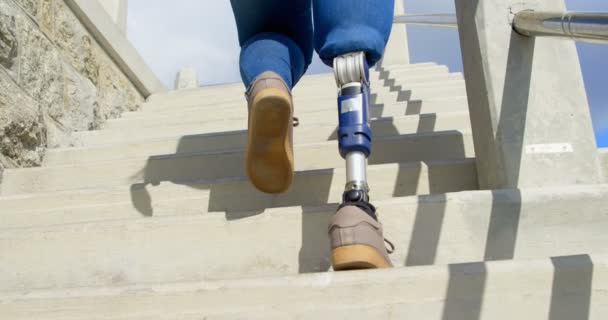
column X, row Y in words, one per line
column 354, row 134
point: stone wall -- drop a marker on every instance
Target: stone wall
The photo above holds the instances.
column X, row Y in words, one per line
column 55, row 79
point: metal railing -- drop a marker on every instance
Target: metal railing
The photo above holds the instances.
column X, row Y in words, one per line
column 579, row 26
column 435, row 20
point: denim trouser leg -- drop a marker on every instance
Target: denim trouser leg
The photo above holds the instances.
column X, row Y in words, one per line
column 343, row 26
column 275, row 35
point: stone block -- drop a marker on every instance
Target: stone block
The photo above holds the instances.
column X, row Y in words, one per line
column 41, row 76
column 30, row 6
column 80, row 101
column 115, row 93
column 22, row 131
column 46, row 17
column 74, row 42
column 9, row 43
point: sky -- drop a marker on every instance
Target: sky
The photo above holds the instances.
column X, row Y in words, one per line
column 173, row 34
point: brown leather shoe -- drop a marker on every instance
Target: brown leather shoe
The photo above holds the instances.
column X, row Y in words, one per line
column 357, row 241
column 269, row 156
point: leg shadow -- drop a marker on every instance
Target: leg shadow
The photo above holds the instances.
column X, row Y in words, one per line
column 314, row 254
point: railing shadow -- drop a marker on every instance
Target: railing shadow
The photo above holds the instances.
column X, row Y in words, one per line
column 505, row 214
column 235, row 197
column 570, row 294
column 572, row 288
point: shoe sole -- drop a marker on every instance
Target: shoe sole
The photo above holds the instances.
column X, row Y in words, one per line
column 269, row 157
column 357, row 257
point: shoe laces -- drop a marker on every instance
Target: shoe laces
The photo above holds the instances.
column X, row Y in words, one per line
column 391, row 247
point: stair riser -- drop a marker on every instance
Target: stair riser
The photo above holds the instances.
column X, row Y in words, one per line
column 315, row 127
column 574, row 287
column 190, row 136
column 219, row 165
column 405, row 73
column 329, row 117
column 306, row 102
column 167, row 199
column 201, row 121
column 315, row 111
column 466, row 227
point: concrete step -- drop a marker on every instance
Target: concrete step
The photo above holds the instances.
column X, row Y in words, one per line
column 449, row 145
column 186, row 138
column 203, row 117
column 307, row 87
column 310, row 188
column 427, row 230
column 314, row 126
column 320, row 99
column 320, row 111
column 566, row 287
column 237, row 101
column 171, row 96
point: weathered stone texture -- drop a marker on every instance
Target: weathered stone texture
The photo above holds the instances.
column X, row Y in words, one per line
column 116, row 94
column 22, row 131
column 8, row 39
column 53, row 61
column 30, row 6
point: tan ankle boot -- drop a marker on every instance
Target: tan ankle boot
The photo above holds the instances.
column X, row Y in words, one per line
column 357, row 241
column 269, row 157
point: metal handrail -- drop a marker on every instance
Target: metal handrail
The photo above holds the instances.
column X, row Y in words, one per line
column 579, row 26
column 435, row 20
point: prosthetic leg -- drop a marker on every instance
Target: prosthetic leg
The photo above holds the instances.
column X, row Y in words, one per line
column 357, row 240
column 354, row 135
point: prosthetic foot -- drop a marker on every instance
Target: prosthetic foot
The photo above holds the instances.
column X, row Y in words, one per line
column 357, row 240
column 269, row 156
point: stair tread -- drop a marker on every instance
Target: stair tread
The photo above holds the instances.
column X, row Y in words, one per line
column 492, row 290
column 304, row 80
column 169, row 140
column 189, row 198
column 427, row 230
column 448, row 145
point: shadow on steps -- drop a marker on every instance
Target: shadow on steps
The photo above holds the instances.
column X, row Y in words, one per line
column 310, row 188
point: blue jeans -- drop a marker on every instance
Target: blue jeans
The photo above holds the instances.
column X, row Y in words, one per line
column 278, row 35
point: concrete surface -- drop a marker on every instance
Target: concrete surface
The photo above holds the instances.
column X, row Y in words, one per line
column 191, row 138
column 217, row 195
column 118, row 11
column 528, row 105
column 186, row 78
column 212, row 164
column 152, row 218
column 429, row 230
column 397, row 49
column 569, row 287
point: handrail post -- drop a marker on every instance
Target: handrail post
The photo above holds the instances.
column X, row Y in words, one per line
column 529, row 111
column 397, row 49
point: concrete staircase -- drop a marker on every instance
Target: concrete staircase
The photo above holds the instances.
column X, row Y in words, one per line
column 153, row 218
